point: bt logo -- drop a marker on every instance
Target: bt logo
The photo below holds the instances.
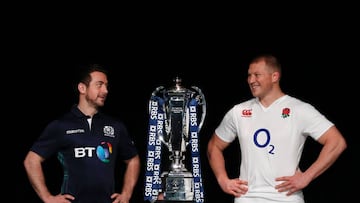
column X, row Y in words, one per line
column 103, row 151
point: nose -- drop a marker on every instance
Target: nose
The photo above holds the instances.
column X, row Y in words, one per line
column 105, row 89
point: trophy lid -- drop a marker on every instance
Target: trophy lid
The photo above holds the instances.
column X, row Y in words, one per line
column 177, row 81
column 177, row 88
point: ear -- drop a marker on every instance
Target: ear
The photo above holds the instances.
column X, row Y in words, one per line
column 275, row 76
column 81, row 87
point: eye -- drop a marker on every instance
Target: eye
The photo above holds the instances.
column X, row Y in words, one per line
column 99, row 84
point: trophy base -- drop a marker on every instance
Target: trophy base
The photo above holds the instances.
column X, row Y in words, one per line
column 179, row 186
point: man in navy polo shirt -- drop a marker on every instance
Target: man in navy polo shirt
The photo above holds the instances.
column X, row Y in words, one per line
column 87, row 144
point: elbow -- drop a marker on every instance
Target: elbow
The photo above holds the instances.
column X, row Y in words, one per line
column 209, row 151
column 340, row 146
column 343, row 145
column 27, row 162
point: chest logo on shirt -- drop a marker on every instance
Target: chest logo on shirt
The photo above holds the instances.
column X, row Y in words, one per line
column 285, row 112
column 109, row 131
column 75, row 131
column 246, row 113
column 103, row 151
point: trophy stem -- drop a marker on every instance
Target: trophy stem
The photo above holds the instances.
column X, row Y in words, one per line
column 177, row 161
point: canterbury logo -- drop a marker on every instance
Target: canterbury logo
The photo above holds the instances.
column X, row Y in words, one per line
column 246, row 112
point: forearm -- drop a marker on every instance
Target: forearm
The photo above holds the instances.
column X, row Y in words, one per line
column 330, row 152
column 36, row 176
column 217, row 162
column 131, row 176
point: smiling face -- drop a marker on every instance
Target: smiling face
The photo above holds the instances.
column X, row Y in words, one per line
column 262, row 79
column 95, row 93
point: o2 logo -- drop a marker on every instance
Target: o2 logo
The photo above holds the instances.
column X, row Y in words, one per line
column 103, row 151
column 262, row 139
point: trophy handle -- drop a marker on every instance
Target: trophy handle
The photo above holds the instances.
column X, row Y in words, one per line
column 202, row 102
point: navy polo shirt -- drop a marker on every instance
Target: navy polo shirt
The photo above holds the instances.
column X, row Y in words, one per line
column 88, row 155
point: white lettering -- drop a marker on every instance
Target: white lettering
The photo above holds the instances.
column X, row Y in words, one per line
column 150, row 164
column 153, row 110
column 75, row 131
column 194, row 145
column 152, row 138
column 84, row 151
column 148, row 188
column 193, row 119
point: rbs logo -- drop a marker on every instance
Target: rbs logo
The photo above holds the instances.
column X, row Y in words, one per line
column 103, row 151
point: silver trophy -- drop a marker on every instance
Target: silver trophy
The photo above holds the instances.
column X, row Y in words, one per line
column 183, row 113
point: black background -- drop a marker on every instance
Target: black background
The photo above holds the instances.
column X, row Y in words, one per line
column 319, row 54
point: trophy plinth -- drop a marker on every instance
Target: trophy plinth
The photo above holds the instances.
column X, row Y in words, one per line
column 179, row 186
column 176, row 117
